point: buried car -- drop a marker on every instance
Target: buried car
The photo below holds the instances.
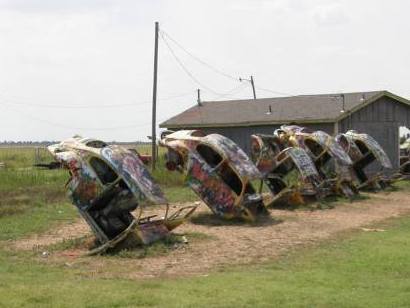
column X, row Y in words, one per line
column 405, row 159
column 332, row 162
column 218, row 171
column 364, row 150
column 106, row 184
column 289, row 173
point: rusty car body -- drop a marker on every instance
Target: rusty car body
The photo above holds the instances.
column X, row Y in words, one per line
column 288, row 172
column 331, row 161
column 364, row 150
column 106, row 184
column 218, row 171
column 405, row 159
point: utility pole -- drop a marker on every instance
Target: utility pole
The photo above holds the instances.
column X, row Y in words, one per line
column 343, row 103
column 252, row 84
column 253, row 87
column 154, row 101
column 199, row 97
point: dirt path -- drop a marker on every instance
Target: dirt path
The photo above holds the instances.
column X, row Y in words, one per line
column 238, row 243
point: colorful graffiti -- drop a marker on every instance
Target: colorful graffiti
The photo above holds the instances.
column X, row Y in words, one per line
column 332, row 162
column 287, row 171
column 106, row 184
column 365, row 151
column 218, row 171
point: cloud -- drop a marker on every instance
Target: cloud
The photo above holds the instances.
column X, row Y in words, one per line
column 330, row 15
column 51, row 6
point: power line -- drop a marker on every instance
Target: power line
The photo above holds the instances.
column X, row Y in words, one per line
column 233, row 91
column 274, row 92
column 216, row 70
column 51, row 123
column 213, row 68
column 103, row 106
column 184, row 68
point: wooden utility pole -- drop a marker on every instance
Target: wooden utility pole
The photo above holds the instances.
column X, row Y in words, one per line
column 199, row 97
column 253, row 88
column 154, row 102
column 252, row 84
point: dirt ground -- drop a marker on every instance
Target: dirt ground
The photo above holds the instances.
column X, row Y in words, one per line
column 231, row 243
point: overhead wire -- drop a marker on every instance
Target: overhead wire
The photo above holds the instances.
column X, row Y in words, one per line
column 55, row 124
column 233, row 91
column 216, row 70
column 185, row 69
column 165, row 37
column 274, row 92
column 213, row 68
column 102, row 106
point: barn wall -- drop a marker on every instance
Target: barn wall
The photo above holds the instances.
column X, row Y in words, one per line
column 242, row 135
column 381, row 120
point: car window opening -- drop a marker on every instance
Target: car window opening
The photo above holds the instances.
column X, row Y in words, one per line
column 211, row 157
column 103, row 171
column 314, row 147
column 230, row 178
column 98, row 144
column 274, row 147
column 362, row 147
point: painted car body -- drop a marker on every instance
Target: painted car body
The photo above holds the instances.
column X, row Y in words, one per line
column 289, row 172
column 330, row 159
column 106, row 184
column 363, row 151
column 405, row 159
column 218, row 171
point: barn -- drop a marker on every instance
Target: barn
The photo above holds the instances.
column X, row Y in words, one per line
column 378, row 113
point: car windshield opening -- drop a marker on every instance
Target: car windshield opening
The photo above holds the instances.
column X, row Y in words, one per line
column 103, row 171
column 211, row 157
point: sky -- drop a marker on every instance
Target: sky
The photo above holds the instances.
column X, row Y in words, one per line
column 86, row 66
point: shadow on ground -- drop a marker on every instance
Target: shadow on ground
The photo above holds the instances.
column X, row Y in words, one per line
column 209, row 219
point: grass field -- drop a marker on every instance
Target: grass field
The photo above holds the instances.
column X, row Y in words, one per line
column 356, row 269
column 359, row 270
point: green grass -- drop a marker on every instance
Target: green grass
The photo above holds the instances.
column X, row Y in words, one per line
column 402, row 185
column 37, row 218
column 20, row 157
column 362, row 270
column 31, row 199
column 180, row 194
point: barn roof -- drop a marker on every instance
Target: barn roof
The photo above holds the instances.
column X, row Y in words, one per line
column 300, row 109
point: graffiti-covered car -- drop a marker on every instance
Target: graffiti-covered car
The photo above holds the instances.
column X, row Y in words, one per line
column 405, row 159
column 364, row 150
column 330, row 159
column 107, row 183
column 288, row 172
column 218, row 171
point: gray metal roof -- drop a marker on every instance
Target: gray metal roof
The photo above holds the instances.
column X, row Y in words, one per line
column 299, row 109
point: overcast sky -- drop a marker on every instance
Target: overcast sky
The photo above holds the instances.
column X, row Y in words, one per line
column 85, row 66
